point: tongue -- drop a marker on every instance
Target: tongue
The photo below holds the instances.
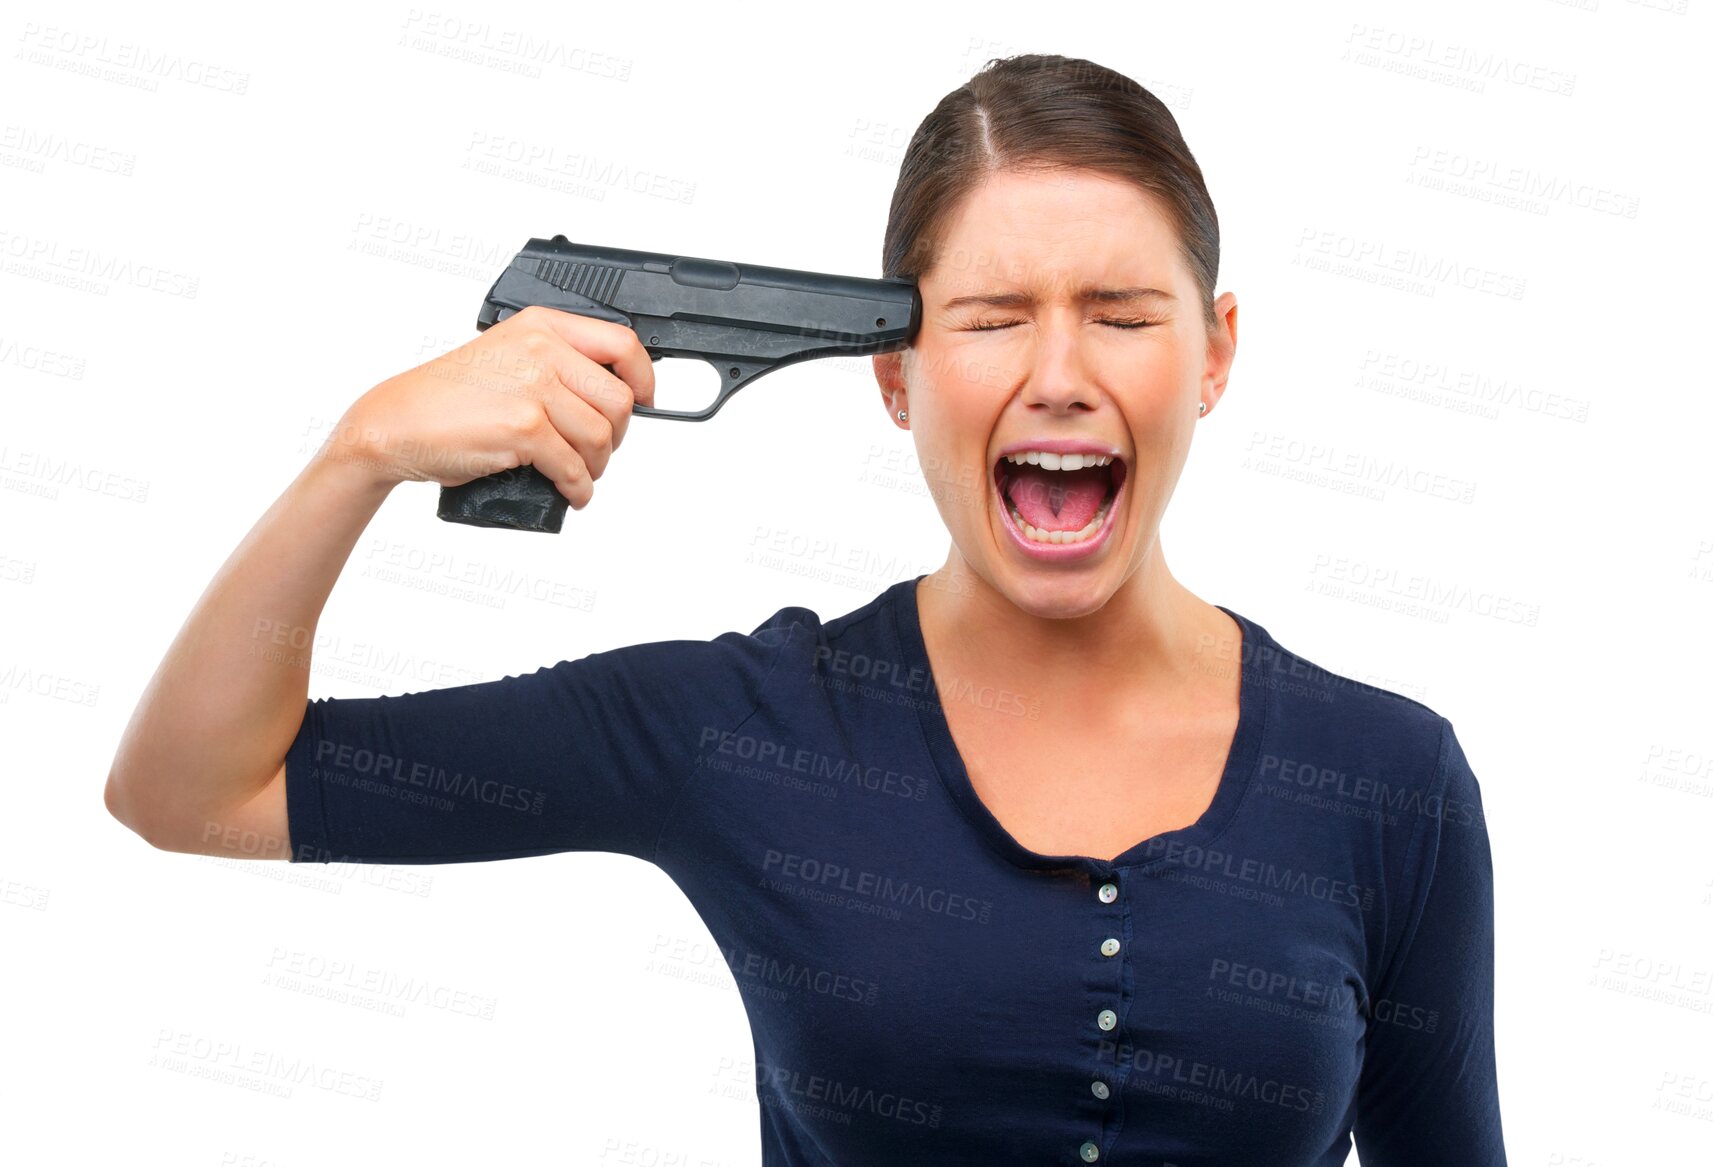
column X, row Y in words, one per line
column 1057, row 500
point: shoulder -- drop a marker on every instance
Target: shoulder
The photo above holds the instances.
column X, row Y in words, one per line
column 802, row 635
column 803, row 630
column 1327, row 727
column 1385, row 767
column 793, row 640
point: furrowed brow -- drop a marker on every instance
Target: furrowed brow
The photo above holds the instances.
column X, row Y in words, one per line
column 1125, row 295
column 1090, row 295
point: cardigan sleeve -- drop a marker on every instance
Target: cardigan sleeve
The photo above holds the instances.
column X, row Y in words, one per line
column 1428, row 1091
column 584, row 755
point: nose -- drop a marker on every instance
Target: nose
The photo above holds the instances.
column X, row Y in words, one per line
column 1055, row 369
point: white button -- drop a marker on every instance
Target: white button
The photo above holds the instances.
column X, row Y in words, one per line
column 1107, row 1019
column 1089, row 1152
column 1100, row 1090
column 1109, row 947
column 1108, row 892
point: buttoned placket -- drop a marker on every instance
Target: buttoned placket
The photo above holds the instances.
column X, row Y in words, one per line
column 1106, row 892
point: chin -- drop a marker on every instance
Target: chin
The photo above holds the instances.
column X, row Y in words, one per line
column 1051, row 595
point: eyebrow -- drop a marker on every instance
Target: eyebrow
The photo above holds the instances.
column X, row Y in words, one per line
column 1091, row 295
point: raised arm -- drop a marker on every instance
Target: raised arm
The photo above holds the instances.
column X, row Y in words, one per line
column 203, row 756
column 201, row 765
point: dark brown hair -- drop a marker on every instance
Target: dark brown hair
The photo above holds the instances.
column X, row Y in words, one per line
column 1047, row 112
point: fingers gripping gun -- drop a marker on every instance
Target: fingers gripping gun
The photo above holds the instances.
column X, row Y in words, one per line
column 743, row 319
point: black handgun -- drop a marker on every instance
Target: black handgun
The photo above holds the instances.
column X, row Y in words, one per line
column 743, row 319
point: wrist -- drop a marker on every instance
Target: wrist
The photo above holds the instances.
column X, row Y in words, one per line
column 353, row 468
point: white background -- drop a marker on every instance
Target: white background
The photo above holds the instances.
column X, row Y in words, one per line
column 198, row 280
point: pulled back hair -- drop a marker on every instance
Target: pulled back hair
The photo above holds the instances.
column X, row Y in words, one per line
column 1042, row 112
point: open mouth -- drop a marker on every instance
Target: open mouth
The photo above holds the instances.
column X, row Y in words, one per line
column 1049, row 504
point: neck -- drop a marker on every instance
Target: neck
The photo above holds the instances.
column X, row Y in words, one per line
column 1152, row 636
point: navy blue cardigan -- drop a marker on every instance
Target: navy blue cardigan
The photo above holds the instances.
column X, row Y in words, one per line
column 1313, row 956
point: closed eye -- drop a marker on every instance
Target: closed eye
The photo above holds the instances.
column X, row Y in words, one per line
column 1127, row 324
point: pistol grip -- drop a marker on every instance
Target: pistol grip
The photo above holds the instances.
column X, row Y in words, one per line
column 522, row 498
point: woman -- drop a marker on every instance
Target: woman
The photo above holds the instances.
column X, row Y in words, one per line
column 1037, row 858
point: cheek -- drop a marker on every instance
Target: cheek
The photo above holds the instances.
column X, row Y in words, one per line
column 1152, row 384
column 1155, row 417
column 968, row 371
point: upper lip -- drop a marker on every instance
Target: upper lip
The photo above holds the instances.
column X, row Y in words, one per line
column 1062, row 446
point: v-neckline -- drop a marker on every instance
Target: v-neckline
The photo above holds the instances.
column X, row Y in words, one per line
column 1234, row 781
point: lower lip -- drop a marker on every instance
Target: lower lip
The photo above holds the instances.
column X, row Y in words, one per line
column 1059, row 552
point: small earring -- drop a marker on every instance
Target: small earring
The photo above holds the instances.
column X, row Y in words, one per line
column 1202, row 410
column 903, row 414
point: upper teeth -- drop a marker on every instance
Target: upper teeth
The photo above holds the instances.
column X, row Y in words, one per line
column 1049, row 461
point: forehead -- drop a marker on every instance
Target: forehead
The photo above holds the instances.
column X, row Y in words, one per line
column 1050, row 232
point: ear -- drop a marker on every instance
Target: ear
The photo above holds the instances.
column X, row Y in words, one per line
column 1221, row 349
column 889, row 371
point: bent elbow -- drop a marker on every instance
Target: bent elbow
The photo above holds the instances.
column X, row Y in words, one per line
column 121, row 803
